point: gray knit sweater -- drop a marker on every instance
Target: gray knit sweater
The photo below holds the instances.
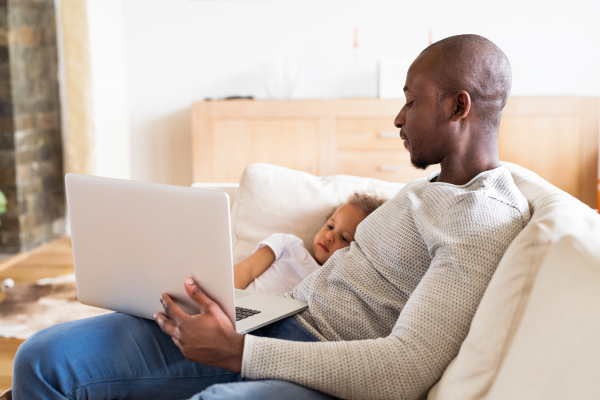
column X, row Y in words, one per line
column 392, row 309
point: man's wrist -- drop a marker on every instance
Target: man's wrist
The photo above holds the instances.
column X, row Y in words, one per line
column 238, row 354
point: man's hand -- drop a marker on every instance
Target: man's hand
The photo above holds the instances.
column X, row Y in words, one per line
column 209, row 337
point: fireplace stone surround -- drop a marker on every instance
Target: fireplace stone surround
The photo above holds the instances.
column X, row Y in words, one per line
column 31, row 155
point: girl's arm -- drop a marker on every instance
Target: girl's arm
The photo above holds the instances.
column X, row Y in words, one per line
column 248, row 270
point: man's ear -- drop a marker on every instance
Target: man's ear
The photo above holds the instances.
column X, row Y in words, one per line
column 462, row 105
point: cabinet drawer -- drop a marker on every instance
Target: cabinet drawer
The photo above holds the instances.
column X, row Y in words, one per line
column 368, row 134
column 386, row 165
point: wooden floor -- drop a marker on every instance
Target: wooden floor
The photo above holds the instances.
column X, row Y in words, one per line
column 51, row 260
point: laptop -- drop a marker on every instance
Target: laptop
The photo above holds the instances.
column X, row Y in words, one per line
column 133, row 241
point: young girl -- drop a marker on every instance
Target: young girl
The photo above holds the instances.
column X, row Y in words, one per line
column 281, row 261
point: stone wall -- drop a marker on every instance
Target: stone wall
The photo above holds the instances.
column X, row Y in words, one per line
column 31, row 158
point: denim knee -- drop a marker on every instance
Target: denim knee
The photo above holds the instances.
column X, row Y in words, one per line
column 34, row 366
column 30, row 355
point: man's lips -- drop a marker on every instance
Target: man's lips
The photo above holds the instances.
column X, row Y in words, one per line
column 406, row 143
column 323, row 247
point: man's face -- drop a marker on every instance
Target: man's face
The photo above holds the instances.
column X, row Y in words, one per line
column 421, row 120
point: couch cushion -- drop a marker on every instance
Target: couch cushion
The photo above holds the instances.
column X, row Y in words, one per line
column 555, row 353
column 555, row 215
column 275, row 199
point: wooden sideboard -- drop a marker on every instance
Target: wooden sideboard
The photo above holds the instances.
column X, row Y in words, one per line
column 556, row 137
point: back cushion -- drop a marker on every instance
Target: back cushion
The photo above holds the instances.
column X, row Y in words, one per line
column 555, row 353
column 274, row 199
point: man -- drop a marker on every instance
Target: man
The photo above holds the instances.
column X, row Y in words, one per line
column 385, row 315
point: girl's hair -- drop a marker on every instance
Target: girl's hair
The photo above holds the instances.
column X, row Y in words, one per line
column 365, row 202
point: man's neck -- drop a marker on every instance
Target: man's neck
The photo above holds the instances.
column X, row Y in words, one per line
column 459, row 170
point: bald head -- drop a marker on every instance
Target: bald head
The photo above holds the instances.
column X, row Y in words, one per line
column 476, row 65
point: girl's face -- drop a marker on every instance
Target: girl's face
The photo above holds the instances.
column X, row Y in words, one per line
column 337, row 232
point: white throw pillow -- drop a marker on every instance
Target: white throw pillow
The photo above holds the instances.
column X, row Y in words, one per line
column 274, row 199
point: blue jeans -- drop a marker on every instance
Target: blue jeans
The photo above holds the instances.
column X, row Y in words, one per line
column 117, row 356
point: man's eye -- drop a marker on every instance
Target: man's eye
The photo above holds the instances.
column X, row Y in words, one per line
column 409, row 105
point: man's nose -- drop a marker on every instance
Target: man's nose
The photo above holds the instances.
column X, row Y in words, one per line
column 399, row 120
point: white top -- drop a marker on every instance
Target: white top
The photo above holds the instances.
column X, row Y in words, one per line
column 292, row 264
column 393, row 309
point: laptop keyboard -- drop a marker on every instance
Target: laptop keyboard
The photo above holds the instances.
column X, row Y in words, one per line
column 241, row 313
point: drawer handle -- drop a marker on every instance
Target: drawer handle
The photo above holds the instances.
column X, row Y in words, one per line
column 389, row 135
column 391, row 168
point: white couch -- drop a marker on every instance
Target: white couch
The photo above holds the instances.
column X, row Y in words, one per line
column 536, row 333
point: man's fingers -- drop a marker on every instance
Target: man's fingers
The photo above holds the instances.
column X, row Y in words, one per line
column 196, row 294
column 171, row 309
column 166, row 324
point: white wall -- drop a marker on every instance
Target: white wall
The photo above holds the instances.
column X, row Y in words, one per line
column 109, row 88
column 180, row 51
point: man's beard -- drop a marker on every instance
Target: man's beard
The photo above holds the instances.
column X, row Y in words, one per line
column 419, row 162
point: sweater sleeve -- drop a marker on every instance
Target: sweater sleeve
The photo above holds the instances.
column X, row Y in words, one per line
column 426, row 336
